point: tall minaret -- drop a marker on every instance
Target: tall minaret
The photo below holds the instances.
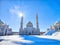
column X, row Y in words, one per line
column 21, row 26
column 37, row 24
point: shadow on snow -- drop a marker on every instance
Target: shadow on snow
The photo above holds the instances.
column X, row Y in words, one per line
column 38, row 41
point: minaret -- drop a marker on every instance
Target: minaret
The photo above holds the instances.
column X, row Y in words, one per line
column 37, row 24
column 21, row 26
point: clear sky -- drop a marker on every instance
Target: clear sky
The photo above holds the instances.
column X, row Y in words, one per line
column 48, row 12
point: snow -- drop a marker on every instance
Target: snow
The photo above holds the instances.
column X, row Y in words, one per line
column 31, row 40
column 50, row 32
column 55, row 36
column 8, row 40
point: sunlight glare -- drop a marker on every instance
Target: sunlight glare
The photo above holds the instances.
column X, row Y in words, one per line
column 20, row 14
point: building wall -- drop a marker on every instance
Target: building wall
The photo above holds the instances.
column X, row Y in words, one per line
column 5, row 30
column 30, row 31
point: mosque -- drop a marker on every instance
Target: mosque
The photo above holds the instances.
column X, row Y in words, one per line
column 55, row 26
column 5, row 29
column 30, row 29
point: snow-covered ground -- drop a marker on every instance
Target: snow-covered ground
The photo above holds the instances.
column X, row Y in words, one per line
column 31, row 40
column 8, row 40
column 55, row 36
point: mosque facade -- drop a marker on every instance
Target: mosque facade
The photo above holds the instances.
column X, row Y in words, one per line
column 29, row 29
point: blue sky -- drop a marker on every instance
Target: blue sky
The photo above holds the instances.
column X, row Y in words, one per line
column 48, row 12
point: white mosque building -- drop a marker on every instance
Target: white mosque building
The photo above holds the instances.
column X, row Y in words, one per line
column 55, row 26
column 30, row 29
column 4, row 29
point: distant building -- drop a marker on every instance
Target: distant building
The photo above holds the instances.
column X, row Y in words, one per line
column 29, row 30
column 4, row 29
column 9, row 32
column 15, row 33
column 56, row 26
column 41, row 33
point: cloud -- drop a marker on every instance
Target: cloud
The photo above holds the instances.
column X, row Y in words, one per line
column 16, row 7
column 14, row 10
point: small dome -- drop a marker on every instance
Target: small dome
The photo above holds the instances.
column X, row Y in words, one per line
column 29, row 24
column 57, row 24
